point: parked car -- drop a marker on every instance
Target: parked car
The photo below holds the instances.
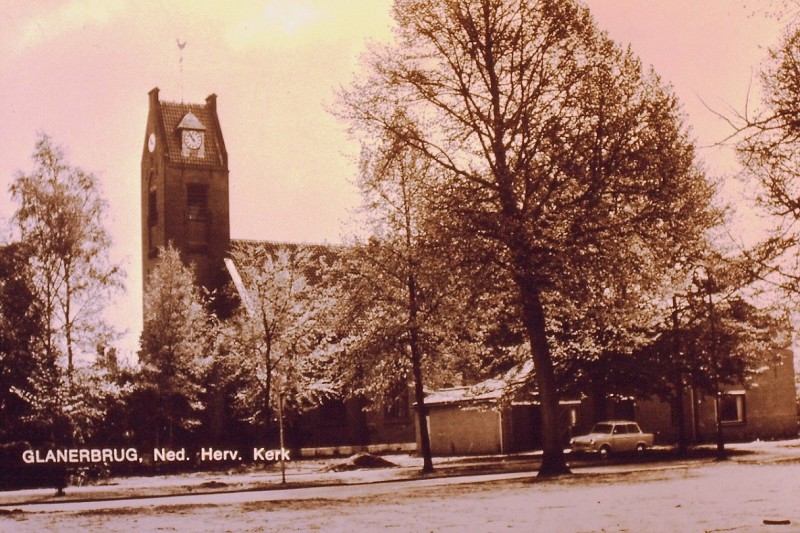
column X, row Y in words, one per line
column 612, row 436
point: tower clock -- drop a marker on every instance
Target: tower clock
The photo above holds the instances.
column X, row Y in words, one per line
column 192, row 136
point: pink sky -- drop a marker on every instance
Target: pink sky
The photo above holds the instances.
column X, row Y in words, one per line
column 80, row 70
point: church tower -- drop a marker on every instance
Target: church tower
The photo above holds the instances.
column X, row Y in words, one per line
column 185, row 187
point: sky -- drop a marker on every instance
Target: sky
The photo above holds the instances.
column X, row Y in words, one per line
column 81, row 70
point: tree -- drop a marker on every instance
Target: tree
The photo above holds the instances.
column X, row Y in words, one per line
column 59, row 219
column 767, row 143
column 176, row 347
column 557, row 151
column 598, row 344
column 397, row 286
column 111, row 381
column 726, row 338
column 710, row 336
column 21, row 328
column 278, row 329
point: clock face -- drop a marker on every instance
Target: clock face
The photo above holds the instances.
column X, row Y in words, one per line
column 192, row 139
column 151, row 142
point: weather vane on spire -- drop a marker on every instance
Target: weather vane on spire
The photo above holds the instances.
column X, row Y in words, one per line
column 181, row 46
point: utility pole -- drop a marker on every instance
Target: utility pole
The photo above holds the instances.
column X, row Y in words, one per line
column 280, row 433
column 709, row 286
column 679, row 407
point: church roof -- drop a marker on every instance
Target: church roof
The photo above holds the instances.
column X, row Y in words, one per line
column 316, row 253
column 272, row 247
column 172, row 114
column 316, row 257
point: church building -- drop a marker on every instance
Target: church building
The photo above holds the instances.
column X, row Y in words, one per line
column 185, row 201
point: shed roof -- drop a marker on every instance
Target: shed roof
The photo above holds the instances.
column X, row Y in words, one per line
column 491, row 390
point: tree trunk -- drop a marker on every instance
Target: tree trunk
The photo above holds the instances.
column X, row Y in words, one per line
column 598, row 401
column 170, row 421
column 721, row 455
column 422, row 416
column 267, row 403
column 68, row 327
column 416, row 365
column 553, row 460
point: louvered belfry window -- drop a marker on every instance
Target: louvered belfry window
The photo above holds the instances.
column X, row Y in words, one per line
column 198, row 216
column 197, row 202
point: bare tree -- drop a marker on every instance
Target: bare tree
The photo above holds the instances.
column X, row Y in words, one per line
column 767, row 142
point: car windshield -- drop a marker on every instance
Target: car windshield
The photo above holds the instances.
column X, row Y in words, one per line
column 602, row 428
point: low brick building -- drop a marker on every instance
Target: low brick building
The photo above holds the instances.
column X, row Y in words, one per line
column 765, row 409
column 502, row 415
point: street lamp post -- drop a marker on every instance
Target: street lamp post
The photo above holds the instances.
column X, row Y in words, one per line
column 721, row 455
column 679, row 407
column 282, row 443
column 708, row 284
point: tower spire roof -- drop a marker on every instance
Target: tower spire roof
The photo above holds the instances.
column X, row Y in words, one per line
column 190, row 122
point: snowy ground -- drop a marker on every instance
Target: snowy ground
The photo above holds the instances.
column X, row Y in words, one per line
column 699, row 495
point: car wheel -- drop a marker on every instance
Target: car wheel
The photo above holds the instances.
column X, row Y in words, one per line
column 605, row 451
column 640, row 448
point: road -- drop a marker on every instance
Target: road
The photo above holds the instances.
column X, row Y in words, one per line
column 700, row 495
column 334, row 492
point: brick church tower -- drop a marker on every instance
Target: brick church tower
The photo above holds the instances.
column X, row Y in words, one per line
column 185, row 187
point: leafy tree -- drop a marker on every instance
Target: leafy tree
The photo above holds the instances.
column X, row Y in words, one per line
column 176, row 348
column 397, row 287
column 597, row 343
column 62, row 410
column 112, row 383
column 276, row 334
column 21, row 328
column 726, row 339
column 711, row 337
column 558, row 152
column 59, row 220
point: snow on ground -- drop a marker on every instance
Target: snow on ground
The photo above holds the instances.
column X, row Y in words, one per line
column 736, row 495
